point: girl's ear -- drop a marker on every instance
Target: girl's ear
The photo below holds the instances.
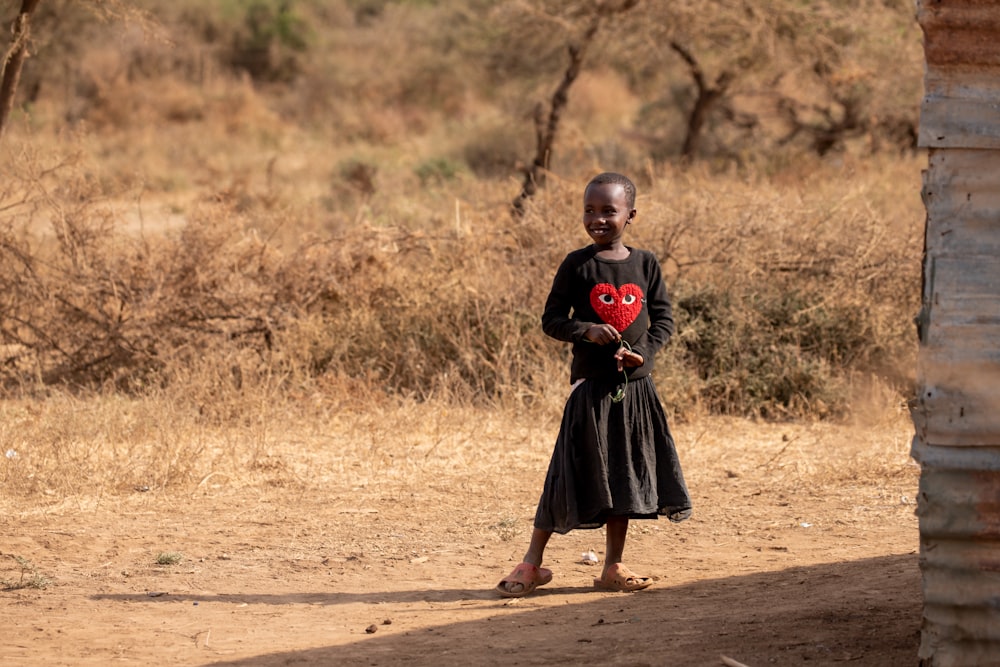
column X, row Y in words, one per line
column 631, row 216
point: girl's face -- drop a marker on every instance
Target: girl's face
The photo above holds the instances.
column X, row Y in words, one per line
column 605, row 213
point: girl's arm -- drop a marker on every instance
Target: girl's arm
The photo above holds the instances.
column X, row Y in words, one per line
column 556, row 320
column 661, row 319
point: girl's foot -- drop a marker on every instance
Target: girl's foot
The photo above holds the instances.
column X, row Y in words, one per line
column 523, row 580
column 617, row 577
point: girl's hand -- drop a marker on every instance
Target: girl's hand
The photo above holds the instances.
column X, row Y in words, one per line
column 602, row 334
column 628, row 359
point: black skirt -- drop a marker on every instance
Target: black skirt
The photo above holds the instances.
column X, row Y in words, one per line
column 612, row 459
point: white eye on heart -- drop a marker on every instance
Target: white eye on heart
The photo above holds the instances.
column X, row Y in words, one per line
column 606, row 299
column 628, row 299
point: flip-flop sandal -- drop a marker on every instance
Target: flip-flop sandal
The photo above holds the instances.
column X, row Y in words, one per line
column 529, row 576
column 620, row 578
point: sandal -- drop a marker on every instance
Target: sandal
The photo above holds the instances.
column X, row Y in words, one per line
column 529, row 576
column 619, row 578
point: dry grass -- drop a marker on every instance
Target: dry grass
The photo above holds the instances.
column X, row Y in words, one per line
column 820, row 280
column 200, row 268
column 359, row 453
column 196, row 348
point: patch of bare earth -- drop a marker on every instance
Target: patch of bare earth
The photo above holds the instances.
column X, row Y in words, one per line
column 363, row 549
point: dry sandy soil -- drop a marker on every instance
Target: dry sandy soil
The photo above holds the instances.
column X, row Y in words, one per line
column 379, row 544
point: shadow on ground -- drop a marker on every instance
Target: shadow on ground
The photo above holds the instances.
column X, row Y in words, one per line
column 864, row 612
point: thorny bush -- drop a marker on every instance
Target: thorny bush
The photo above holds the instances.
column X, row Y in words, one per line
column 774, row 323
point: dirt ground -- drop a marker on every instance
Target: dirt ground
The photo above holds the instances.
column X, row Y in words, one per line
column 344, row 551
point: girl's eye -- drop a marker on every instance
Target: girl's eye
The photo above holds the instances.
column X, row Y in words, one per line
column 628, row 299
column 606, row 299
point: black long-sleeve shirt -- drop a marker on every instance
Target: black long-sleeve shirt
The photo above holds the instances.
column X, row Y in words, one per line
column 628, row 294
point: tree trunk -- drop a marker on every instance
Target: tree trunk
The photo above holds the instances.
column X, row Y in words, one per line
column 545, row 134
column 11, row 70
column 707, row 98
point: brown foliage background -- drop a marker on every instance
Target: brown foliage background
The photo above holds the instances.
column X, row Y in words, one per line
column 237, row 208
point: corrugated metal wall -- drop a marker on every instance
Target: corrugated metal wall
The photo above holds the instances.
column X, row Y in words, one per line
column 956, row 413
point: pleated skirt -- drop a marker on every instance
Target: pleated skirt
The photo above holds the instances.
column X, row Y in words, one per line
column 612, row 459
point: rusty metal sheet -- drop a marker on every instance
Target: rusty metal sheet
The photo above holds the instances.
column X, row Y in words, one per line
column 948, row 415
column 962, row 501
column 964, row 289
column 958, row 365
column 957, row 409
column 960, row 33
column 960, row 109
column 962, row 74
column 958, row 508
column 961, row 192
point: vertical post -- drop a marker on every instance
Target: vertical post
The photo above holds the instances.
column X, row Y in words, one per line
column 956, row 412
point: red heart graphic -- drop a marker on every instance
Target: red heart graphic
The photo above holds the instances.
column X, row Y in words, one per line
column 617, row 307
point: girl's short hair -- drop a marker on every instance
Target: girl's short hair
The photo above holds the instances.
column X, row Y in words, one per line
column 614, row 178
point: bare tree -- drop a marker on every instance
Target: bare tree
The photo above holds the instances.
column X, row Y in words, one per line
column 545, row 129
column 767, row 74
column 13, row 60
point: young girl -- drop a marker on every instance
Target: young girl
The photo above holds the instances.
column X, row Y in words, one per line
column 614, row 457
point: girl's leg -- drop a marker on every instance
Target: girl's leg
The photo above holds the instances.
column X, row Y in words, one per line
column 536, row 549
column 615, row 575
column 617, row 529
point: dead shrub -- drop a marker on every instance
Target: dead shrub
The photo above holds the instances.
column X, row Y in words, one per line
column 496, row 150
column 779, row 301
